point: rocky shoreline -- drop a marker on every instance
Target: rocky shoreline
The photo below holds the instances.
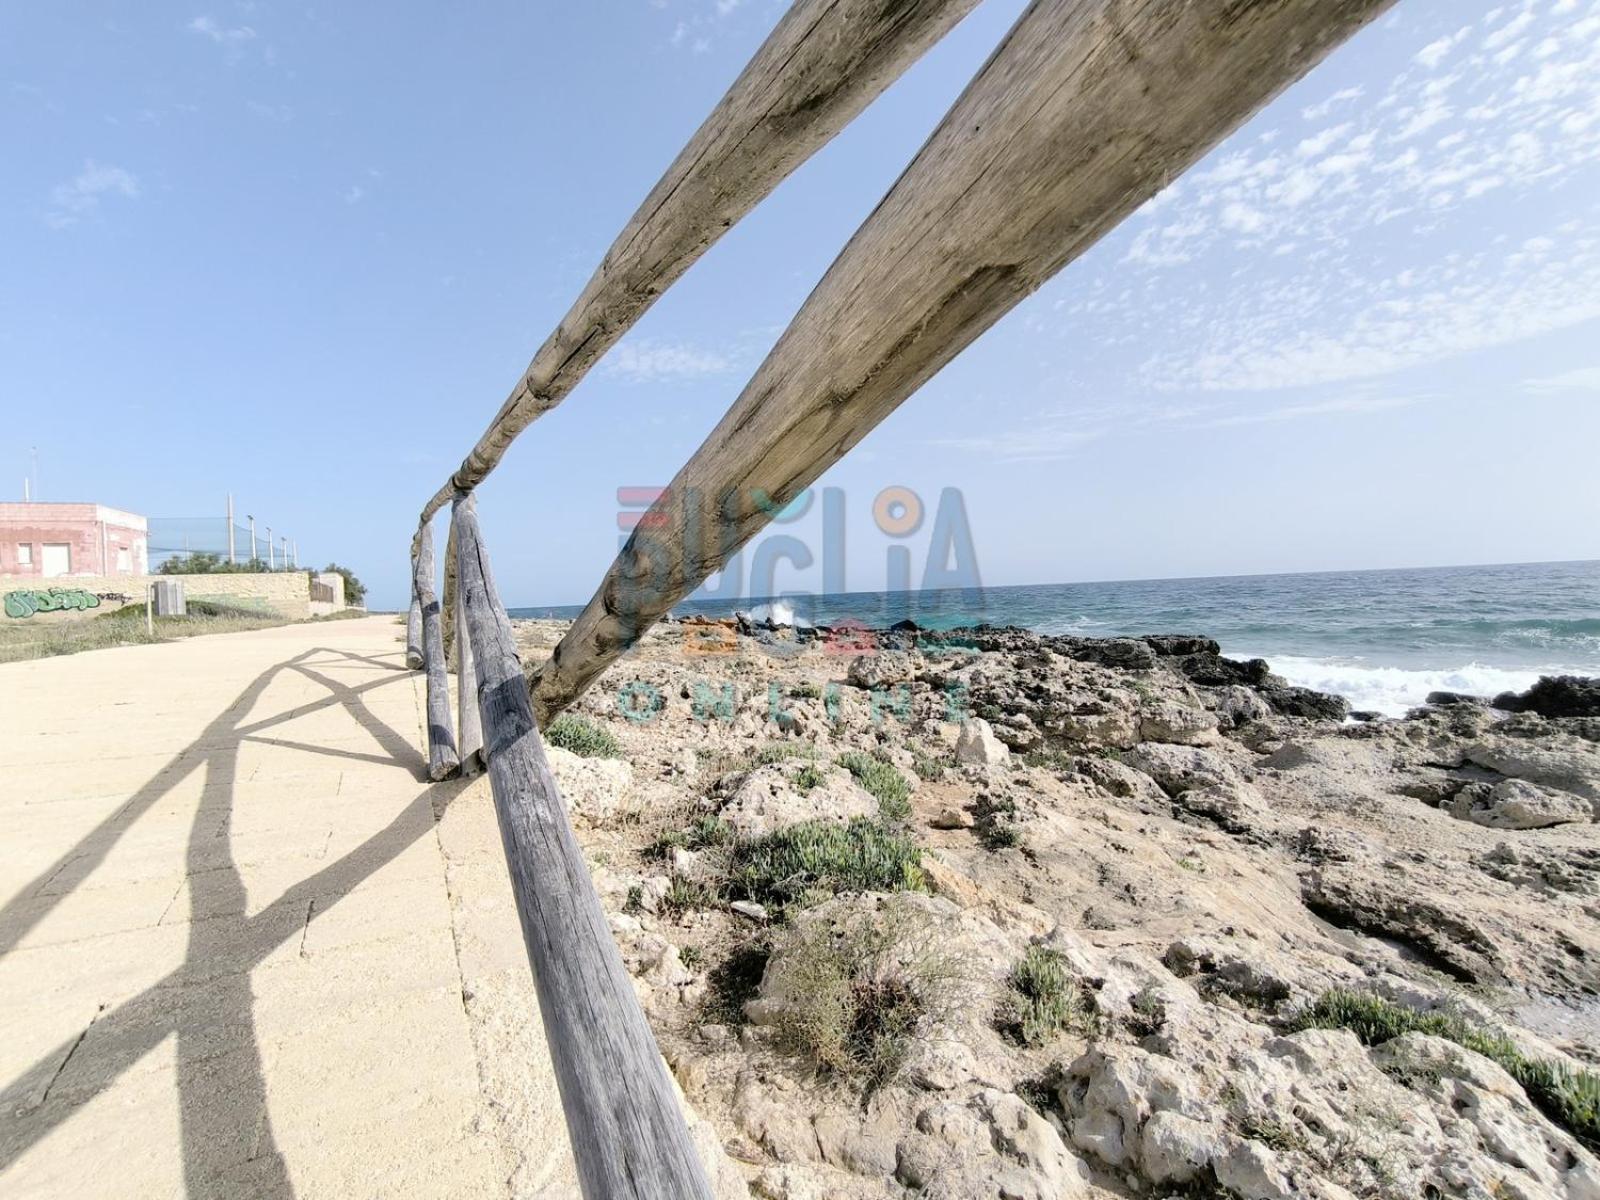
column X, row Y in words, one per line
column 988, row 913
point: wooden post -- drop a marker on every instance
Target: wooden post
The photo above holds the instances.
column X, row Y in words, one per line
column 442, row 757
column 451, row 607
column 470, row 721
column 1086, row 110
column 414, row 627
column 629, row 1138
column 823, row 63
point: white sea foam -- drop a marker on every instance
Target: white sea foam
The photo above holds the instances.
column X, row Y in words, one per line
column 778, row 612
column 1394, row 690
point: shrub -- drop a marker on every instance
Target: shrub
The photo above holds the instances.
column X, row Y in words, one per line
column 858, row 995
column 886, row 784
column 1568, row 1096
column 814, row 859
column 702, row 835
column 998, row 826
column 581, row 737
column 808, row 777
column 805, row 691
column 1045, row 999
column 777, row 752
column 684, row 894
column 926, row 766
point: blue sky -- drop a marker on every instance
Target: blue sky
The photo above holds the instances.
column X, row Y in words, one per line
column 301, row 252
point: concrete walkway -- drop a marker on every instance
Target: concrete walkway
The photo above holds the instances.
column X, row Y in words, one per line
column 245, row 950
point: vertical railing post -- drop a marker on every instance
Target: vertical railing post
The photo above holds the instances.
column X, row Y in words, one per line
column 414, row 626
column 442, row 757
column 470, row 721
column 629, row 1138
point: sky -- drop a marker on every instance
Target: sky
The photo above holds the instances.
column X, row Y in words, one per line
column 300, row 254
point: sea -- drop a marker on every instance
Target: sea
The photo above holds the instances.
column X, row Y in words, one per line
column 1382, row 639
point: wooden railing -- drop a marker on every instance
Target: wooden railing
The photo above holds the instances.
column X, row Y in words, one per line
column 628, row 1133
column 1086, row 109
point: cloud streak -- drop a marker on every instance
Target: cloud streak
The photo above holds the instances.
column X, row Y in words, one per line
column 80, row 196
column 649, row 360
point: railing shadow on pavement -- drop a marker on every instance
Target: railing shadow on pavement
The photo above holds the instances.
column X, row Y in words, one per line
column 207, row 999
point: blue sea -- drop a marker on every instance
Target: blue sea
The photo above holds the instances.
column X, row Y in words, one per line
column 1382, row 639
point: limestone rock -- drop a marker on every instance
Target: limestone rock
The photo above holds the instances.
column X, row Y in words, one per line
column 594, row 788
column 886, row 668
column 1518, row 804
column 1171, row 721
column 1238, row 705
column 977, row 745
column 768, row 798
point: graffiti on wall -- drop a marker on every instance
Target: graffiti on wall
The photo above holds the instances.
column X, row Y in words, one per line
column 26, row 602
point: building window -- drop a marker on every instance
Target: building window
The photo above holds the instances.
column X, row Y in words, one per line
column 57, row 558
column 124, row 560
column 24, row 554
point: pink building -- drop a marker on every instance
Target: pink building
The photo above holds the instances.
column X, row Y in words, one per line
column 54, row 540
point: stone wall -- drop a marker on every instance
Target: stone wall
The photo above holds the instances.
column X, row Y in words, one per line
column 285, row 593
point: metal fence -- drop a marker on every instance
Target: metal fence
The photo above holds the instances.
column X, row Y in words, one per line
column 183, row 537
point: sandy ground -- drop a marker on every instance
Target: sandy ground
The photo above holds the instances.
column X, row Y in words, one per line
column 245, row 949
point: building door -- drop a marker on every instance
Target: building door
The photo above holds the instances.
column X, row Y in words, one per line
column 57, row 559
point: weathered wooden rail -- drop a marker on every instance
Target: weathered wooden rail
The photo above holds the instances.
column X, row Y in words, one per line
column 628, row 1133
column 1085, row 110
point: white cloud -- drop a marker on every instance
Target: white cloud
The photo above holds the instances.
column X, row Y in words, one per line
column 222, row 35
column 1338, row 406
column 1031, row 443
column 1579, row 379
column 647, row 360
column 354, row 194
column 1317, row 111
column 1434, row 52
column 1242, row 217
column 81, row 195
column 1477, row 186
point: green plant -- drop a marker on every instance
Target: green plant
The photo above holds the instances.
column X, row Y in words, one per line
column 704, row 834
column 926, row 766
column 1044, row 998
column 801, row 863
column 805, row 691
column 692, row 957
column 1149, row 1013
column 883, row 781
column 775, row 752
column 684, row 894
column 1567, row 1095
column 857, row 994
column 1050, row 760
column 581, row 737
column 635, row 901
column 998, row 824
column 808, row 777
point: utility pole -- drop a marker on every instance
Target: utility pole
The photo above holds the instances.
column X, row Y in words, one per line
column 284, row 539
column 231, row 558
column 272, row 564
column 252, row 521
column 296, row 545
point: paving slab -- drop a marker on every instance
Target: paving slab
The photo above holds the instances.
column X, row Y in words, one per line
column 232, row 940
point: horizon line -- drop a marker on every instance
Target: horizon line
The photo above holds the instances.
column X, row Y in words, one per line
column 1555, row 562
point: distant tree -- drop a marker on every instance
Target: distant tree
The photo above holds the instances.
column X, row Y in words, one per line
column 355, row 592
column 203, row 562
